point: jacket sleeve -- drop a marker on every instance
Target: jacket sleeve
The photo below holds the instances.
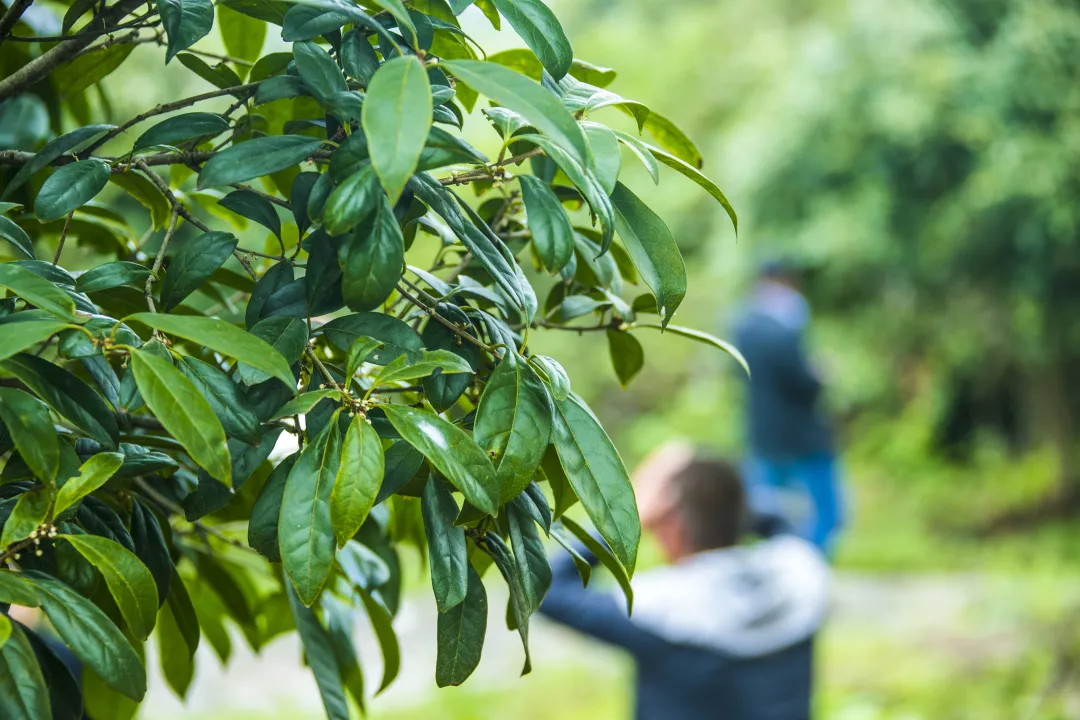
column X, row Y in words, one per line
column 794, row 371
column 597, row 614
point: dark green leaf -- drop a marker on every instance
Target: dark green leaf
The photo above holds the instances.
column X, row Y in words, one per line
column 358, row 57
column 53, row 150
column 263, row 524
column 89, row 632
column 287, row 336
column 254, row 158
column 71, row 187
column 596, row 472
column 397, row 337
column 627, row 357
column 301, row 192
column 279, row 88
column 373, row 258
column 177, row 659
column 16, row 590
column 273, row 280
column 396, row 119
column 305, row 529
column 31, row 428
column 36, row 291
column 447, row 551
column 381, row 623
column 450, row 450
column 220, row 336
column 401, row 15
column 23, row 692
column 225, row 398
column 358, row 478
column 318, row 69
column 195, row 261
column 185, row 22
column 513, row 423
column 608, row 560
column 113, row 274
column 183, row 412
column 17, row 237
column 254, row 207
column 443, row 390
column 181, row 128
column 552, row 233
column 529, row 556
column 304, row 22
column 519, row 608
column 129, row 581
column 319, row 651
column 402, row 461
column 151, row 548
column 351, row 201
column 541, row 31
column 461, row 633
column 526, row 97
column 64, row 690
column 220, row 76
column 554, row 375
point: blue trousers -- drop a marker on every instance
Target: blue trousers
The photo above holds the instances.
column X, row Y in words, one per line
column 805, row 491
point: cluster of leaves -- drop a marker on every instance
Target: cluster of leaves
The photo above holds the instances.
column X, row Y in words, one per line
column 142, row 397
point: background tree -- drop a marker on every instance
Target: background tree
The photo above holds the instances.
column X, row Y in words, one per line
column 151, row 369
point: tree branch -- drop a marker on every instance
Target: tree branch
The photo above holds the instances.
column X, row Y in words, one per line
column 40, row 67
column 439, row 318
column 491, row 171
column 152, row 278
column 11, row 17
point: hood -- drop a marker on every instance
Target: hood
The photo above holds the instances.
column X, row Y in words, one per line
column 745, row 601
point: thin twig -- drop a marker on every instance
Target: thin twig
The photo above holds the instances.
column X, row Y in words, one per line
column 152, row 278
column 489, row 172
column 11, row 17
column 63, row 237
column 322, row 369
column 178, row 510
column 439, row 318
column 223, row 58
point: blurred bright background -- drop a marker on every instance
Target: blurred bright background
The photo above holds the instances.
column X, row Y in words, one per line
column 920, row 159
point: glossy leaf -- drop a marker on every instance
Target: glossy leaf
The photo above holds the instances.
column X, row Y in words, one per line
column 460, row 634
column 93, row 473
column 254, row 207
column 450, row 450
column 36, row 291
column 396, row 119
column 224, row 396
column 319, row 651
column 17, row 237
column 53, row 150
column 29, row 513
column 372, row 259
column 181, row 128
column 552, row 233
column 129, row 581
column 430, row 362
column 23, row 692
column 255, row 158
column 380, row 618
column 184, row 413
column 685, row 168
column 448, row 554
column 606, row 558
column 599, row 478
column 318, row 69
column 359, row 476
column 193, row 264
column 530, row 557
column 541, row 31
column 265, row 513
column 351, row 201
column 304, row 402
column 185, row 22
column 113, row 274
column 703, row 337
column 30, row 426
column 17, row 590
column 287, row 336
column 397, row 337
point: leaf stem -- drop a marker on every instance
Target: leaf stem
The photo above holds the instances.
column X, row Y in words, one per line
column 439, row 318
column 63, row 237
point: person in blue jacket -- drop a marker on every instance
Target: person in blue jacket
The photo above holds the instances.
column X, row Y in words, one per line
column 791, row 441
column 726, row 631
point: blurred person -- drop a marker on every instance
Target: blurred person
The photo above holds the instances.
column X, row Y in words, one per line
column 726, row 630
column 790, row 439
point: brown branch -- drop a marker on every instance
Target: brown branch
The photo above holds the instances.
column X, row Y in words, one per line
column 152, row 277
column 11, row 17
column 439, row 318
column 322, row 369
column 168, row 504
column 63, row 237
column 489, row 172
column 41, row 67
column 224, row 58
column 169, row 195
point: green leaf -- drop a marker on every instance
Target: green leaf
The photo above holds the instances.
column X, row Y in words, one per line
column 519, row 609
column 66, row 394
column 541, row 31
column 287, row 336
column 181, row 128
column 17, row 237
column 554, row 375
column 525, row 96
column 31, row 428
column 552, row 233
column 305, row 528
column 596, row 472
column 381, row 623
column 151, row 548
column 359, row 475
column 567, row 541
column 396, row 119
column 304, row 402
column 185, row 22
column 255, row 158
column 606, row 153
column 529, row 555
column 220, row 76
column 53, row 150
column 129, row 581
column 603, row 554
column 16, row 590
column 688, row 170
column 30, row 333
column 321, row 658
column 360, row 349
column 111, row 275
column 460, row 634
column 431, row 362
column 193, row 264
column 93, row 473
column 451, row 451
column 358, row 56
column 224, row 397
column 641, row 150
column 448, row 554
column 397, row 337
column 596, row 75
column 93, row 637
column 304, row 22
column 652, row 248
column 183, row 412
column 23, row 692
column 400, row 14
column 28, row 515
column 442, row 390
column 318, row 69
column 146, row 194
column 513, row 423
column 351, row 201
column 372, row 259
column 70, row 187
column 254, row 207
column 701, row 337
column 220, row 336
column 89, row 68
column 627, row 357
column 36, row 291
column 176, row 657
column 263, row 523
column 672, row 139
column 339, row 623
column 242, row 34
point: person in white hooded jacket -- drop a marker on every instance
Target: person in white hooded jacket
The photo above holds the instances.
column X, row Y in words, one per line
column 726, row 630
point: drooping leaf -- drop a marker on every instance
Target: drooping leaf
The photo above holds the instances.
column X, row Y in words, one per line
column 185, row 22
column 193, row 264
column 31, row 429
column 529, row 555
column 685, row 168
column 16, row 590
column 552, row 233
column 93, row 637
column 319, row 651
column 220, row 336
column 17, row 237
column 372, row 258
column 641, row 151
column 224, row 397
column 23, row 692
column 129, row 581
column 396, row 120
column 397, row 337
column 151, row 548
column 513, row 423
column 598, row 476
column 181, row 128
column 255, row 158
column 184, row 413
column 53, row 150
column 318, row 70
column 450, row 450
column 287, row 336
column 380, row 618
column 448, row 554
column 36, row 291
column 254, row 207
column 93, row 473
column 606, row 153
column 541, row 31
column 28, row 514
column 702, row 337
column 359, row 475
column 519, row 609
column 460, row 634
column 263, row 524
column 672, row 139
column 177, row 659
